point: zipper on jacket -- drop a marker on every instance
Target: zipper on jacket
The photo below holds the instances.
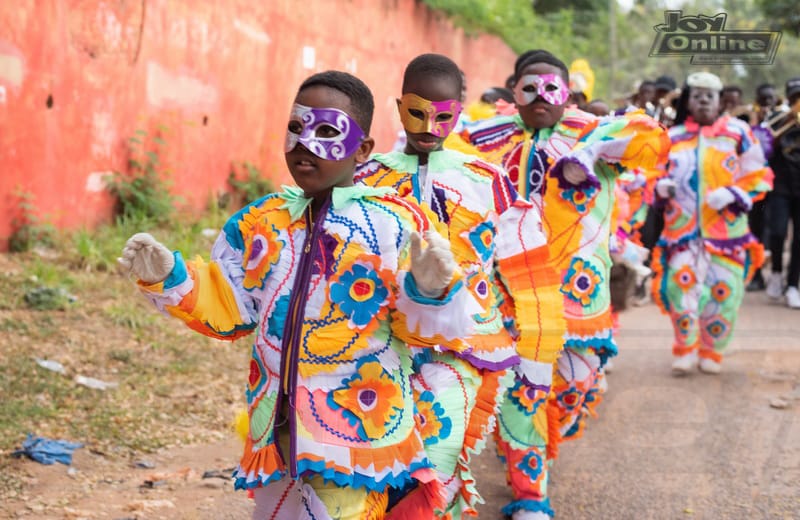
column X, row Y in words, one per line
column 291, row 340
column 698, row 202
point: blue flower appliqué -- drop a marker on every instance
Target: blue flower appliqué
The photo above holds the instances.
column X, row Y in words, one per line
column 531, row 465
column 360, row 293
column 582, row 282
column 579, row 197
column 433, row 424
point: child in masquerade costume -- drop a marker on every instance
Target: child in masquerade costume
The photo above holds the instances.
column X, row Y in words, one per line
column 497, row 241
column 706, row 252
column 566, row 162
column 334, row 281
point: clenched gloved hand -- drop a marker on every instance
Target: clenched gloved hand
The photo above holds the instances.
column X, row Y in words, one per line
column 719, row 198
column 432, row 268
column 147, row 258
column 665, row 188
column 574, row 173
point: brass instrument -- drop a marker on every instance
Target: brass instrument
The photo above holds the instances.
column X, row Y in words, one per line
column 787, row 135
column 665, row 112
column 790, row 119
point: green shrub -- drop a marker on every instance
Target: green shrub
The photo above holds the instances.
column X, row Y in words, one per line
column 29, row 229
column 143, row 191
column 249, row 186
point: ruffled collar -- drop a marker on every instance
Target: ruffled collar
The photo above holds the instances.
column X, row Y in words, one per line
column 712, row 129
column 438, row 161
column 296, row 201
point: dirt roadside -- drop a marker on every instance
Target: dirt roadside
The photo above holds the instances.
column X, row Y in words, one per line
column 663, row 447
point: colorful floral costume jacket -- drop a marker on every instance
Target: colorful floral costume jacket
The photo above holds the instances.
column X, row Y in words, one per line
column 332, row 305
column 577, row 219
column 491, row 230
column 702, row 159
column 517, row 310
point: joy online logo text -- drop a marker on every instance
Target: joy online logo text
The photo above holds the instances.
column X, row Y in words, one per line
column 705, row 39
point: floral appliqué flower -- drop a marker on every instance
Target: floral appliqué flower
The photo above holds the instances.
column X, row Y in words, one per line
column 257, row 378
column 361, row 294
column 570, row 399
column 483, row 291
column 579, row 197
column 531, row 465
column 684, row 278
column 720, row 291
column 262, row 249
column 684, row 324
column 370, row 399
column 481, row 238
column 431, row 420
column 526, row 398
column 718, row 328
column 582, row 282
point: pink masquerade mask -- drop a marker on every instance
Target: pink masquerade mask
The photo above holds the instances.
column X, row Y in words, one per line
column 420, row 115
column 550, row 87
column 328, row 133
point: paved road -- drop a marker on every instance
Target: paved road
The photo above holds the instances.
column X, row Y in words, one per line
column 694, row 447
column 699, row 447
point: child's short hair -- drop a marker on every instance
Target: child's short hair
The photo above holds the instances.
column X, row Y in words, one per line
column 492, row 94
column 361, row 101
column 731, row 88
column 427, row 65
column 764, row 86
column 539, row 56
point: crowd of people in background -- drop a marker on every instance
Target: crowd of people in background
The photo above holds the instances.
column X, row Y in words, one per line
column 408, row 304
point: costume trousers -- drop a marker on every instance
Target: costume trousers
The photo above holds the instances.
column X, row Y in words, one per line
column 704, row 291
column 456, row 405
column 531, row 425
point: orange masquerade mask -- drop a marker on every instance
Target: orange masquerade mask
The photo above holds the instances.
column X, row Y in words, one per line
column 420, row 115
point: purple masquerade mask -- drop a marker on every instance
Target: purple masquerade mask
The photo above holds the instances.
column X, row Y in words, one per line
column 550, row 87
column 328, row 133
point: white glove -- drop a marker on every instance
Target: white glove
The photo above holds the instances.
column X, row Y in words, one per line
column 146, row 258
column 719, row 198
column 634, row 254
column 665, row 188
column 434, row 267
column 634, row 257
column 574, row 173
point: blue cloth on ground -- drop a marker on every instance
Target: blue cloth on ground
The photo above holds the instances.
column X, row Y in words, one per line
column 48, row 451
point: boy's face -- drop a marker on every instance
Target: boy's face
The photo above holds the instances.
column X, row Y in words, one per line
column 767, row 98
column 729, row 100
column 317, row 176
column 646, row 95
column 540, row 113
column 703, row 105
column 434, row 89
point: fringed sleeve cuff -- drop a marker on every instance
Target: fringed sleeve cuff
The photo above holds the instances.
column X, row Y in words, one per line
column 172, row 290
column 427, row 321
column 742, row 202
column 585, row 162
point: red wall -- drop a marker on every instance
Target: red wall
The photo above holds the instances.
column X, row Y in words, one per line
column 218, row 77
